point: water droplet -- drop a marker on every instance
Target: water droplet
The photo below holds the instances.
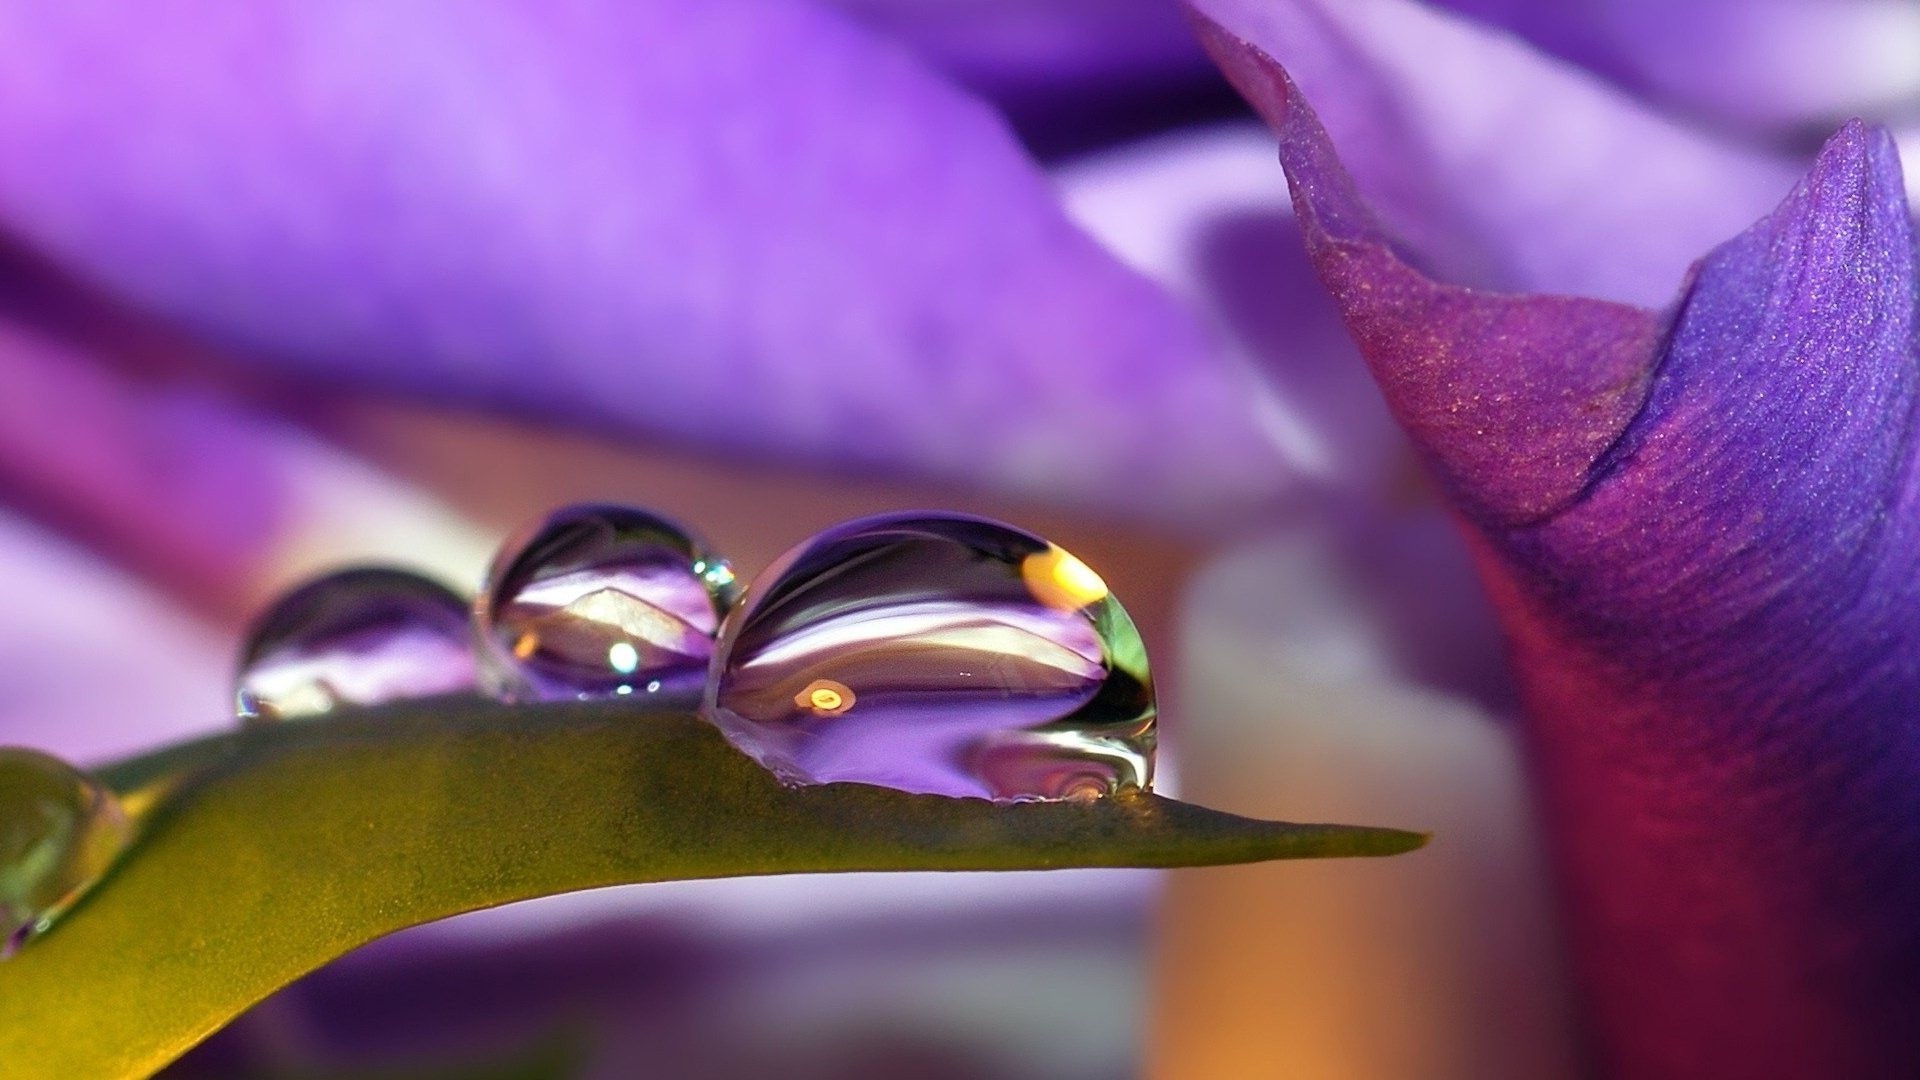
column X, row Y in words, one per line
column 600, row 601
column 937, row 653
column 357, row 637
column 60, row 830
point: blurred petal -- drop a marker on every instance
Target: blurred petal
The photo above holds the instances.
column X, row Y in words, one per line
column 1013, row 43
column 205, row 507
column 1316, row 661
column 202, row 495
column 164, row 478
column 1706, row 553
column 1047, row 994
column 1499, row 167
column 95, row 664
column 1782, row 65
column 1071, row 75
column 743, row 227
column 1199, row 213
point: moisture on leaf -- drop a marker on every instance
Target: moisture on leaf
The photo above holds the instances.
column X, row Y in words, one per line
column 266, row 853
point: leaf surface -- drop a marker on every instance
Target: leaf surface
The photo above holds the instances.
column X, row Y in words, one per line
column 266, row 853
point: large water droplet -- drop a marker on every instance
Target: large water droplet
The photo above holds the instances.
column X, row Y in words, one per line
column 357, row 637
column 601, row 601
column 60, row 830
column 937, row 653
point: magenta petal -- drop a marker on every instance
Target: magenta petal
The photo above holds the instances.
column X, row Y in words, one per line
column 741, row 227
column 1703, row 533
column 1469, row 399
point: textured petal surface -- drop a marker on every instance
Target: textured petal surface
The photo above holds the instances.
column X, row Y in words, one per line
column 1497, row 166
column 775, row 236
column 1705, row 551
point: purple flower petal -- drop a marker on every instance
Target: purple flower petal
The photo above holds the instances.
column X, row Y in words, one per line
column 1070, row 75
column 1774, row 66
column 1499, row 167
column 1011, row 44
column 1198, row 212
column 93, row 663
column 1706, row 551
column 176, row 480
column 166, row 478
column 743, row 227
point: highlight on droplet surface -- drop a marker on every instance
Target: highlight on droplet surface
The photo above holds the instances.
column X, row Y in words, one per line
column 60, row 830
column 937, row 653
column 362, row 636
column 598, row 600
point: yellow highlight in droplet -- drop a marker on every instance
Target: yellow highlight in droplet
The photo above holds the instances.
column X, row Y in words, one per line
column 1059, row 580
column 824, row 697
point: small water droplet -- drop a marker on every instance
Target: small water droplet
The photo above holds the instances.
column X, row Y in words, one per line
column 60, row 830
column 596, row 600
column 363, row 636
column 937, row 653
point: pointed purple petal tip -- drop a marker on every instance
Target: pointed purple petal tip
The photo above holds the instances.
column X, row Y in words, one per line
column 1512, row 398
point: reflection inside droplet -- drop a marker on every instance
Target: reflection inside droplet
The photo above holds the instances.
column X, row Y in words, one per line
column 60, row 830
column 597, row 601
column 937, row 653
column 364, row 636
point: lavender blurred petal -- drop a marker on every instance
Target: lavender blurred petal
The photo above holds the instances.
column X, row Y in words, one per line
column 1771, row 67
column 743, row 227
column 1496, row 166
column 96, row 664
column 164, row 477
column 178, row 481
column 1199, row 213
column 1706, row 555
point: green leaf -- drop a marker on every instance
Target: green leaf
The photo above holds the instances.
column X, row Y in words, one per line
column 268, row 852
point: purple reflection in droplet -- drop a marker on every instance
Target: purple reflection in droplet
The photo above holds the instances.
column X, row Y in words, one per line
column 600, row 601
column 363, row 636
column 937, row 653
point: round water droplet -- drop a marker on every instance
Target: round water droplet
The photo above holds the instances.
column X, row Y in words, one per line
column 601, row 601
column 937, row 653
column 357, row 637
column 60, row 830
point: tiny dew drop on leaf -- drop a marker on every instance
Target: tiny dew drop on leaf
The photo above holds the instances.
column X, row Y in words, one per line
column 600, row 601
column 60, row 830
column 362, row 636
